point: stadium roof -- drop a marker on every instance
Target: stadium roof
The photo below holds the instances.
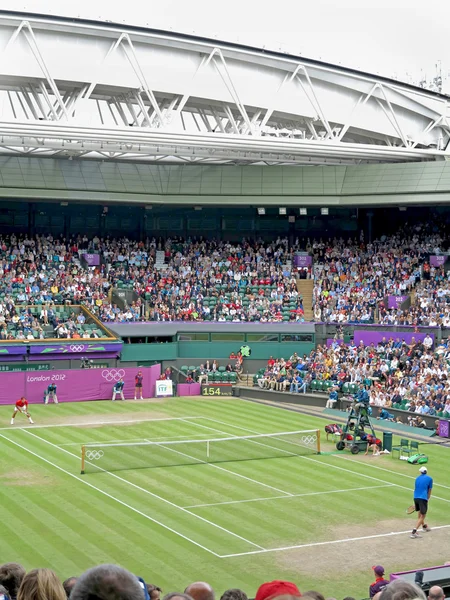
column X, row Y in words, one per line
column 120, row 92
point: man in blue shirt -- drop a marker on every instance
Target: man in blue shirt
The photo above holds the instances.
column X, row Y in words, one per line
column 422, row 493
column 332, row 398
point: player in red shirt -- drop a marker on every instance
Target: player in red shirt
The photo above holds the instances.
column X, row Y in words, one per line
column 21, row 406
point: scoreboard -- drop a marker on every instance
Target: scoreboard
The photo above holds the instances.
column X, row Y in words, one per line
column 217, row 389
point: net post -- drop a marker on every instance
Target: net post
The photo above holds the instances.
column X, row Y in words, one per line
column 318, row 441
column 83, row 457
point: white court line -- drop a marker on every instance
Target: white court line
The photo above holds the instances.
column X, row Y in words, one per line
column 99, row 423
column 330, row 542
column 214, row 466
column 389, row 471
column 84, row 482
column 358, row 489
column 315, row 460
column 237, row 398
column 185, row 510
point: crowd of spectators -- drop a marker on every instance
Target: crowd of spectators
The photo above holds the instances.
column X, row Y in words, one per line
column 249, row 281
column 111, row 582
column 412, row 375
column 353, row 278
column 198, row 280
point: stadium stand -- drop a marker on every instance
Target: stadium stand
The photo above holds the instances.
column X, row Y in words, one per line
column 210, row 280
column 411, row 377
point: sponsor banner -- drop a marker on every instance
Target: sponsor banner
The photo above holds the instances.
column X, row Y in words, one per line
column 76, row 385
column 373, row 337
column 302, row 260
column 438, row 260
column 444, row 429
column 188, row 389
column 93, row 260
column 164, row 387
column 7, row 350
column 395, row 301
column 75, row 347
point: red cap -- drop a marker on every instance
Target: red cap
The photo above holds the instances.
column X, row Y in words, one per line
column 272, row 589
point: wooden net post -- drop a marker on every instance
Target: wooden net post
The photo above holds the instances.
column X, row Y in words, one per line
column 83, row 457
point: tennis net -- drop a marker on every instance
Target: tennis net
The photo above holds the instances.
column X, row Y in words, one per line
column 148, row 454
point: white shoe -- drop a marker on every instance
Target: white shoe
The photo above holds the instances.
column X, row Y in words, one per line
column 12, row 421
column 415, row 535
column 142, row 398
column 426, row 529
column 135, row 397
column 31, row 421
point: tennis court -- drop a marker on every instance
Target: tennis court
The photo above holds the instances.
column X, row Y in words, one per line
column 251, row 498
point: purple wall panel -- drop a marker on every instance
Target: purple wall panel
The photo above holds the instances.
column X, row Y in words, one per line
column 75, row 385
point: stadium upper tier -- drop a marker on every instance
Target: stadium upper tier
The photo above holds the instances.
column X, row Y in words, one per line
column 84, row 89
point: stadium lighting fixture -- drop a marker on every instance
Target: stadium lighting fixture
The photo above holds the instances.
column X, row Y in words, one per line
column 303, row 211
column 261, row 211
column 282, row 210
column 324, row 211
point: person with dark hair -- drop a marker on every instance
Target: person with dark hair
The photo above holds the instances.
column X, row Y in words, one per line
column 154, row 591
column 107, row 582
column 313, row 595
column 200, row 590
column 11, row 575
column 235, row 594
column 69, row 584
column 177, row 596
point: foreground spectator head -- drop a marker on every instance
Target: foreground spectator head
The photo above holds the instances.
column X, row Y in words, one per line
column 177, row 596
column 41, row 584
column 154, row 591
column 69, row 584
column 107, row 582
column 436, row 593
column 234, row 594
column 275, row 589
column 313, row 595
column 3, row 592
column 402, row 590
column 200, row 590
column 11, row 575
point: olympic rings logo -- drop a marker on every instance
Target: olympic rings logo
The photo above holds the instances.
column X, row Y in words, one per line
column 309, row 439
column 76, row 348
column 94, row 454
column 113, row 374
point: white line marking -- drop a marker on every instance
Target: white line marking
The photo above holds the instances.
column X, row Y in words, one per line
column 237, row 398
column 318, row 461
column 343, row 541
column 84, row 482
column 370, row 487
column 389, row 471
column 99, row 423
column 148, row 492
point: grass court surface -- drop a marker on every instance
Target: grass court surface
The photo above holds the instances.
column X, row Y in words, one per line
column 321, row 521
